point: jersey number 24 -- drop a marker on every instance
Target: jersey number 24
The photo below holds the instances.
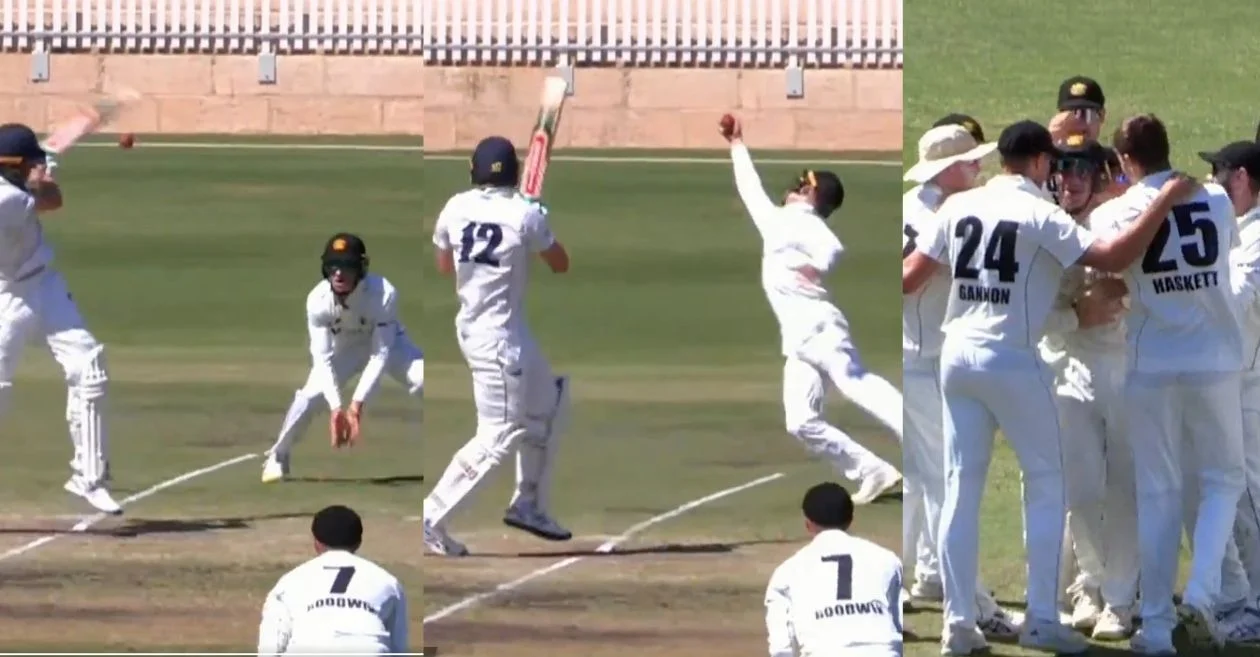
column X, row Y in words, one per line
column 487, row 236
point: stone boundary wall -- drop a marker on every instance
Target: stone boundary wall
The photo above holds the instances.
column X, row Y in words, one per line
column 314, row 94
column 843, row 110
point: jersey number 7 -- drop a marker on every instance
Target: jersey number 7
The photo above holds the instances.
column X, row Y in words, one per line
column 341, row 583
column 844, row 575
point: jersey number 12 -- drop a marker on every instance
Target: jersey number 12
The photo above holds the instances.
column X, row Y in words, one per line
column 488, row 234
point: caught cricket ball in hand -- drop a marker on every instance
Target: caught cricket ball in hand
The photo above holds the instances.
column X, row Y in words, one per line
column 126, row 140
column 727, row 125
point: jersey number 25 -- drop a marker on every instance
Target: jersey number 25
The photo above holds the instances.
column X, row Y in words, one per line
column 486, row 235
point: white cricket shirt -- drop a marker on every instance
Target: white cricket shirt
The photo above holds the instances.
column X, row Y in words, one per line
column 493, row 233
column 366, row 319
column 838, row 595
column 1244, row 261
column 23, row 250
column 1006, row 245
column 792, row 236
column 1182, row 316
column 337, row 602
column 923, row 312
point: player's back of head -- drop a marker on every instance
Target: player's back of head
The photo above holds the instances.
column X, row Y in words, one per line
column 494, row 163
column 338, row 527
column 828, row 506
column 1143, row 139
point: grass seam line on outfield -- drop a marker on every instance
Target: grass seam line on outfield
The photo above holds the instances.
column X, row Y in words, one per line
column 87, row 523
column 558, row 157
column 606, row 548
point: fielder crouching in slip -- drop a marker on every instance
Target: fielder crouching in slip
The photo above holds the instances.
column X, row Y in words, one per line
column 840, row 595
column 1085, row 347
column 352, row 320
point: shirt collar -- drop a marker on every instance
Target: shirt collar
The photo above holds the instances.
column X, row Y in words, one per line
column 1249, row 217
column 1023, row 183
column 1156, row 180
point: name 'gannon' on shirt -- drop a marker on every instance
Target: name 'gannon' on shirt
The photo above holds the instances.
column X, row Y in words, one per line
column 341, row 603
column 1185, row 282
column 874, row 607
column 984, row 294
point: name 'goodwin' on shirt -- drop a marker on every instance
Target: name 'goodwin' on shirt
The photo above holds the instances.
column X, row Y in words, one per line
column 869, row 608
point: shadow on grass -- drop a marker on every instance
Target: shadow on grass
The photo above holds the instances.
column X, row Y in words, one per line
column 396, row 480
column 133, row 527
column 668, row 548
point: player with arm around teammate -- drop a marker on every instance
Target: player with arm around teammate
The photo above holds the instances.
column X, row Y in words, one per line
column 338, row 602
column 1183, row 388
column 485, row 237
column 840, row 595
column 798, row 252
column 36, row 304
column 1007, row 245
column 353, row 327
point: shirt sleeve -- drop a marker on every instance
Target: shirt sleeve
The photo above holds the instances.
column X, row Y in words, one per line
column 825, row 251
column 751, row 192
column 319, row 325
column 933, row 242
column 441, row 227
column 1065, row 239
column 384, row 333
column 780, row 634
column 894, row 598
column 399, row 639
column 538, row 235
column 1244, row 275
column 276, row 626
column 15, row 207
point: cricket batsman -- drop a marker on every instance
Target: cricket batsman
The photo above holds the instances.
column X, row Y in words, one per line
column 352, row 319
column 35, row 304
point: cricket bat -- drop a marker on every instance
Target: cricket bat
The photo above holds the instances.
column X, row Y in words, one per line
column 540, row 140
column 88, row 120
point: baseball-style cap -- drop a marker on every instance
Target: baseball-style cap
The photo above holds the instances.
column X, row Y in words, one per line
column 1238, row 155
column 1080, row 92
column 494, row 162
column 19, row 144
column 972, row 125
column 942, row 146
column 1026, row 138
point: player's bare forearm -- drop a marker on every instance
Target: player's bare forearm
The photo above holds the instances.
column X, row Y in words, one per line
column 47, row 195
column 445, row 262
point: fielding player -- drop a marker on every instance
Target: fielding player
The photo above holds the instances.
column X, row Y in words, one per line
column 36, row 304
column 1085, row 345
column 839, row 595
column 486, row 237
column 949, row 163
column 1007, row 245
column 352, row 318
column 338, row 602
column 798, row 253
column 1183, row 386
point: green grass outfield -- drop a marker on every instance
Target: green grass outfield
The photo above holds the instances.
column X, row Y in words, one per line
column 1192, row 65
column 677, row 382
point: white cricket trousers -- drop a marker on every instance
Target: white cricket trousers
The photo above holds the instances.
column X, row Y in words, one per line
column 923, row 466
column 829, row 357
column 405, row 365
column 1162, row 411
column 987, row 388
column 517, row 397
column 1247, row 526
column 39, row 307
column 1101, row 492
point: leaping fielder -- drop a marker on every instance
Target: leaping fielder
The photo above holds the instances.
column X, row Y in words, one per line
column 35, row 304
column 352, row 317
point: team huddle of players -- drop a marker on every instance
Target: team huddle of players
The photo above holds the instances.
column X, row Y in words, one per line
column 1103, row 312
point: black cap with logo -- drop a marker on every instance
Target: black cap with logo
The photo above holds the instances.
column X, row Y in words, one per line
column 1080, row 92
column 1026, row 139
column 967, row 122
column 494, row 162
column 20, row 145
column 1243, row 155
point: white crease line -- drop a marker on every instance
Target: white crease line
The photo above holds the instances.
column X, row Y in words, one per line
column 87, row 523
column 559, row 157
column 605, row 548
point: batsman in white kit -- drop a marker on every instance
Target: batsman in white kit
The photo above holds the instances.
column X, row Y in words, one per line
column 1007, row 245
column 338, row 602
column 840, row 595
column 486, row 237
column 352, row 321
column 35, row 304
column 798, row 252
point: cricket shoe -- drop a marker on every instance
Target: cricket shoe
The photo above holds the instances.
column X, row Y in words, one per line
column 1114, row 624
column 528, row 518
column 1243, row 627
column 927, row 591
column 994, row 621
column 1086, row 605
column 1052, row 636
column 275, row 468
column 439, row 542
column 1201, row 625
column 98, row 496
column 876, row 484
column 963, row 641
column 1144, row 643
